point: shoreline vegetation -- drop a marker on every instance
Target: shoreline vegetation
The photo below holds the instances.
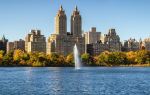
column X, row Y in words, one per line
column 19, row 58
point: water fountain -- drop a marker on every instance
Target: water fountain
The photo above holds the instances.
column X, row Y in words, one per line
column 76, row 58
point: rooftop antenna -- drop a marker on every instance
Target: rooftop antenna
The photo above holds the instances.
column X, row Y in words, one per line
column 61, row 8
column 76, row 8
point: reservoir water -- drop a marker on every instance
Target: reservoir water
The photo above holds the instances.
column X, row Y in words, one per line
column 68, row 81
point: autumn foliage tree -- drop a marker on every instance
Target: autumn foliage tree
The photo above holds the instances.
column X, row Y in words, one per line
column 70, row 59
column 106, row 58
column 1, row 56
column 142, row 56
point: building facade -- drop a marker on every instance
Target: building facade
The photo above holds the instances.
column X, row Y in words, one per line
column 113, row 40
column 3, row 43
column 10, row 47
column 35, row 42
column 20, row 44
column 146, row 43
column 131, row 45
column 97, row 48
column 92, row 36
column 109, row 42
column 62, row 42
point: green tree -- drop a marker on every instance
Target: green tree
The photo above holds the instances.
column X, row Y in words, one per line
column 142, row 56
column 8, row 59
column 37, row 59
column 33, row 59
column 55, row 59
column 117, row 58
column 101, row 60
column 85, row 58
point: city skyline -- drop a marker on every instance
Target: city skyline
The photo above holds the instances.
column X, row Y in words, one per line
column 20, row 17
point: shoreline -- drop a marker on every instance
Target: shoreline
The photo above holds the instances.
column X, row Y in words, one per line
column 136, row 65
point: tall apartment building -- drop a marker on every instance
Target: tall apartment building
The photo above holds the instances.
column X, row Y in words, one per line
column 92, row 36
column 62, row 42
column 10, row 47
column 109, row 42
column 35, row 42
column 20, row 44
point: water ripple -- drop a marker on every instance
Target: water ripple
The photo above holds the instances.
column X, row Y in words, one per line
column 67, row 81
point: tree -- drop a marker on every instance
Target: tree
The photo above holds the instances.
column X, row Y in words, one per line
column 8, row 59
column 54, row 59
column 1, row 55
column 70, row 59
column 33, row 59
column 148, row 58
column 117, row 58
column 131, row 57
column 20, row 57
column 142, row 56
column 101, row 60
column 85, row 58
column 37, row 59
column 61, row 60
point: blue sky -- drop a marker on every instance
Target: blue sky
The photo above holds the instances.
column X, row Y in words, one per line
column 130, row 18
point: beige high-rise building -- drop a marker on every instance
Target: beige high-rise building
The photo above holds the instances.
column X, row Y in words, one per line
column 61, row 41
column 61, row 22
column 92, row 36
column 35, row 42
column 76, row 23
column 10, row 46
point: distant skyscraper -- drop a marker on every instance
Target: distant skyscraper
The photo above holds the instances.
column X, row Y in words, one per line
column 62, row 42
column 35, row 42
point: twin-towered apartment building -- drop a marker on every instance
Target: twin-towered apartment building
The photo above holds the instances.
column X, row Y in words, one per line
column 62, row 42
